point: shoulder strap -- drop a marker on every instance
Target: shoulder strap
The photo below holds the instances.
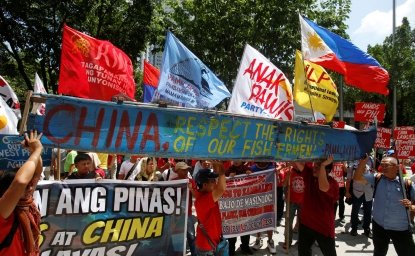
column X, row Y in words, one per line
column 377, row 179
column 206, row 235
column 168, row 175
column 9, row 238
column 131, row 170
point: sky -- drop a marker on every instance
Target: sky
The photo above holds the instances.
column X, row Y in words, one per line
column 370, row 21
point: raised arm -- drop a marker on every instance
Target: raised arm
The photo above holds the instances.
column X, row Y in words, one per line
column 221, row 185
column 361, row 167
column 323, row 183
column 29, row 170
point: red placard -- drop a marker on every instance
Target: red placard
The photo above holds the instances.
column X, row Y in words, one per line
column 368, row 112
column 383, row 138
column 404, row 141
column 338, row 124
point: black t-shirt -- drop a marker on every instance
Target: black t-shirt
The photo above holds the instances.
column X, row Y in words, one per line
column 75, row 175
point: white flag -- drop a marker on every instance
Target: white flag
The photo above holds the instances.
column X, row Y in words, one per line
column 39, row 108
column 10, row 97
column 8, row 120
column 261, row 89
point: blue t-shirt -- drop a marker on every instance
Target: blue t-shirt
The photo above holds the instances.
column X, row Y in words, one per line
column 388, row 211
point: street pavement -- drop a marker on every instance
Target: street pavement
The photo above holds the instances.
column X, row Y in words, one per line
column 345, row 243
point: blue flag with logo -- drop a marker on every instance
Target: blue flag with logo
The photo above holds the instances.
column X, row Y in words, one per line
column 185, row 80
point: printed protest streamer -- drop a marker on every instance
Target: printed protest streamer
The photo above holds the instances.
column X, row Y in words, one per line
column 261, row 89
column 249, row 203
column 14, row 155
column 81, row 217
column 98, row 126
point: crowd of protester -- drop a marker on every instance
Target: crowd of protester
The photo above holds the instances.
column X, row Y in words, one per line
column 313, row 193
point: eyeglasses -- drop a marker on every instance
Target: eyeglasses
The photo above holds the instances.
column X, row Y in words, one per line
column 387, row 165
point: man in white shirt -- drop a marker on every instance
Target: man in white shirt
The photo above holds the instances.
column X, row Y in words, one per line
column 127, row 172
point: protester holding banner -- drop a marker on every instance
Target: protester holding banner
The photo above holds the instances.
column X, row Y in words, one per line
column 239, row 168
column 54, row 163
column 317, row 212
column 339, row 173
column 207, row 194
column 148, row 170
column 256, row 167
column 201, row 164
column 85, row 168
column 19, row 216
column 103, row 158
column 182, row 171
column 112, row 166
column 294, row 186
column 390, row 216
column 361, row 193
column 69, row 163
column 129, row 168
column 280, row 192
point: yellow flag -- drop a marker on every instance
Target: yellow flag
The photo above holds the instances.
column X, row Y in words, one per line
column 319, row 88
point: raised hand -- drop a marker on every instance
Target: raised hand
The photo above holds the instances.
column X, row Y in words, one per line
column 32, row 141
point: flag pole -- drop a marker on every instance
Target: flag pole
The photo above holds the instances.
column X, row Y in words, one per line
column 394, row 85
column 341, row 114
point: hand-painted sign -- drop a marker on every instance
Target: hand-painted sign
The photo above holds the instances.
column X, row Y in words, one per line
column 112, row 218
column 368, row 112
column 90, row 125
column 13, row 154
column 404, row 141
column 248, row 205
column 383, row 139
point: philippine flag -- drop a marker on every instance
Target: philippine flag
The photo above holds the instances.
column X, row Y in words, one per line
column 331, row 51
column 151, row 77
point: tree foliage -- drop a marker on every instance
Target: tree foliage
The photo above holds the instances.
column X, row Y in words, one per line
column 218, row 30
column 31, row 33
column 400, row 63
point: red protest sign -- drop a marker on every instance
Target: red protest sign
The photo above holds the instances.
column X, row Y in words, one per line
column 383, row 138
column 368, row 112
column 338, row 124
column 92, row 68
column 404, row 141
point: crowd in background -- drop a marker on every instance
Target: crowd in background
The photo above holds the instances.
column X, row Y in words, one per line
column 300, row 187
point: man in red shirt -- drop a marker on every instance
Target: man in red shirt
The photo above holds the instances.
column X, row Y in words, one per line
column 294, row 191
column 209, row 190
column 317, row 212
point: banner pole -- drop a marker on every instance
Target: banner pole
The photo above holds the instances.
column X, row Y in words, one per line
column 25, row 112
column 341, row 114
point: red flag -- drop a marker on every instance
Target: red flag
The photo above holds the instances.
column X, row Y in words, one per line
column 151, row 77
column 92, row 68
